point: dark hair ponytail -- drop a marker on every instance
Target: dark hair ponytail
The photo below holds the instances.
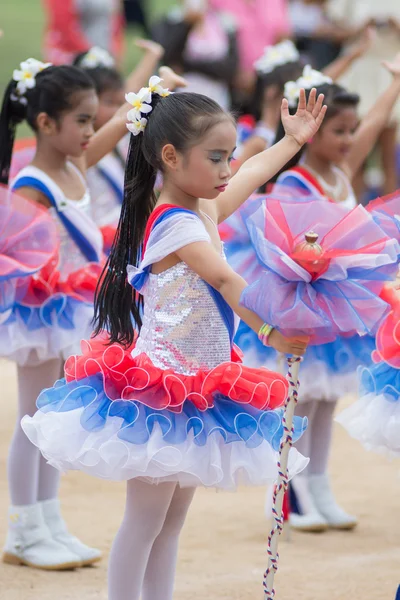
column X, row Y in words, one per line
column 52, row 94
column 13, row 112
column 181, row 120
column 336, row 98
column 114, row 301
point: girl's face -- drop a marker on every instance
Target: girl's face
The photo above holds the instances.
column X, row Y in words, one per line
column 71, row 134
column 204, row 170
column 334, row 140
column 109, row 102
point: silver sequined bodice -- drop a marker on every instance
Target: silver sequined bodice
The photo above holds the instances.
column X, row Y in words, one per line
column 182, row 326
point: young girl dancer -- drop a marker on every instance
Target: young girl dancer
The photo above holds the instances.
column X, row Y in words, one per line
column 47, row 324
column 325, row 168
column 175, row 409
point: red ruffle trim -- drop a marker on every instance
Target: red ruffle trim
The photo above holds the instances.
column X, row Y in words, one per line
column 80, row 285
column 128, row 378
column 388, row 335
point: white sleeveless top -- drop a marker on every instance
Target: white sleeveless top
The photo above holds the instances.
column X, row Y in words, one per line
column 70, row 257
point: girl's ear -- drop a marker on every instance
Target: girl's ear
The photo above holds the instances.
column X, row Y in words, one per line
column 45, row 124
column 169, row 157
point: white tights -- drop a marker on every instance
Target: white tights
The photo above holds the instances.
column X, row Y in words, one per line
column 144, row 553
column 30, row 478
column 316, row 441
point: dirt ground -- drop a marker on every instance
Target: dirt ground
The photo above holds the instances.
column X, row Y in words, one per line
column 222, row 554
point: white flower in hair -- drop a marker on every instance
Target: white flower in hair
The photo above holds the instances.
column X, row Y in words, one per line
column 137, row 126
column 292, row 92
column 97, row 57
column 310, row 78
column 26, row 75
column 156, row 88
column 140, row 102
column 276, row 56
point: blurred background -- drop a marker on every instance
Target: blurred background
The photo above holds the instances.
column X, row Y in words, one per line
column 215, row 44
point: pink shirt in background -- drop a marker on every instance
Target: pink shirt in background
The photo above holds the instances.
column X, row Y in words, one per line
column 260, row 23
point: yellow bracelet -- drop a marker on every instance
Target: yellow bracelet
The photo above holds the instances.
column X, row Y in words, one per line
column 264, row 333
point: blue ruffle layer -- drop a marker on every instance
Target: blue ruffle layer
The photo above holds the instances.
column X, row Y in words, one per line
column 380, row 379
column 233, row 421
column 59, row 309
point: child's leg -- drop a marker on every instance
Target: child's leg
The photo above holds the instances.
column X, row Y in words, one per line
column 304, row 514
column 160, row 573
column 145, row 513
column 306, row 409
column 319, row 480
column 321, row 437
column 29, row 540
column 23, row 459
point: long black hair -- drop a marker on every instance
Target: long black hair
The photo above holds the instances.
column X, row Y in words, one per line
column 53, row 94
column 104, row 78
column 336, row 99
column 181, row 120
column 278, row 77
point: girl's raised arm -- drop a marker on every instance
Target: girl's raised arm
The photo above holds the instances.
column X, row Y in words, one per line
column 376, row 120
column 259, row 169
column 203, row 258
column 108, row 136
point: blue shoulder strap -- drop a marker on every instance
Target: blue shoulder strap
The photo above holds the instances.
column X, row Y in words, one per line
column 118, row 191
column 83, row 244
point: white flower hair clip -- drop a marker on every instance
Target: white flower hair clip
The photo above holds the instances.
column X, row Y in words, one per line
column 141, row 104
column 309, row 79
column 97, row 57
column 276, row 56
column 26, row 76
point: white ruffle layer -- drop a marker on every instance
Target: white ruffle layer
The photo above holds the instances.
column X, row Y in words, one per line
column 32, row 347
column 375, row 422
column 317, row 382
column 66, row 445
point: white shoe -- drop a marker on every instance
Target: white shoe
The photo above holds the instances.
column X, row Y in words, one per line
column 321, row 492
column 60, row 533
column 30, row 543
column 304, row 515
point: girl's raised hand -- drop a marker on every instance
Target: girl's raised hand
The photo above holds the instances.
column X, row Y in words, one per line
column 393, row 66
column 296, row 345
column 305, row 123
column 151, row 47
column 171, row 80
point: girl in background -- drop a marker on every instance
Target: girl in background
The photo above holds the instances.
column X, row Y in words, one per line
column 367, row 78
column 325, row 168
column 278, row 65
column 49, row 321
